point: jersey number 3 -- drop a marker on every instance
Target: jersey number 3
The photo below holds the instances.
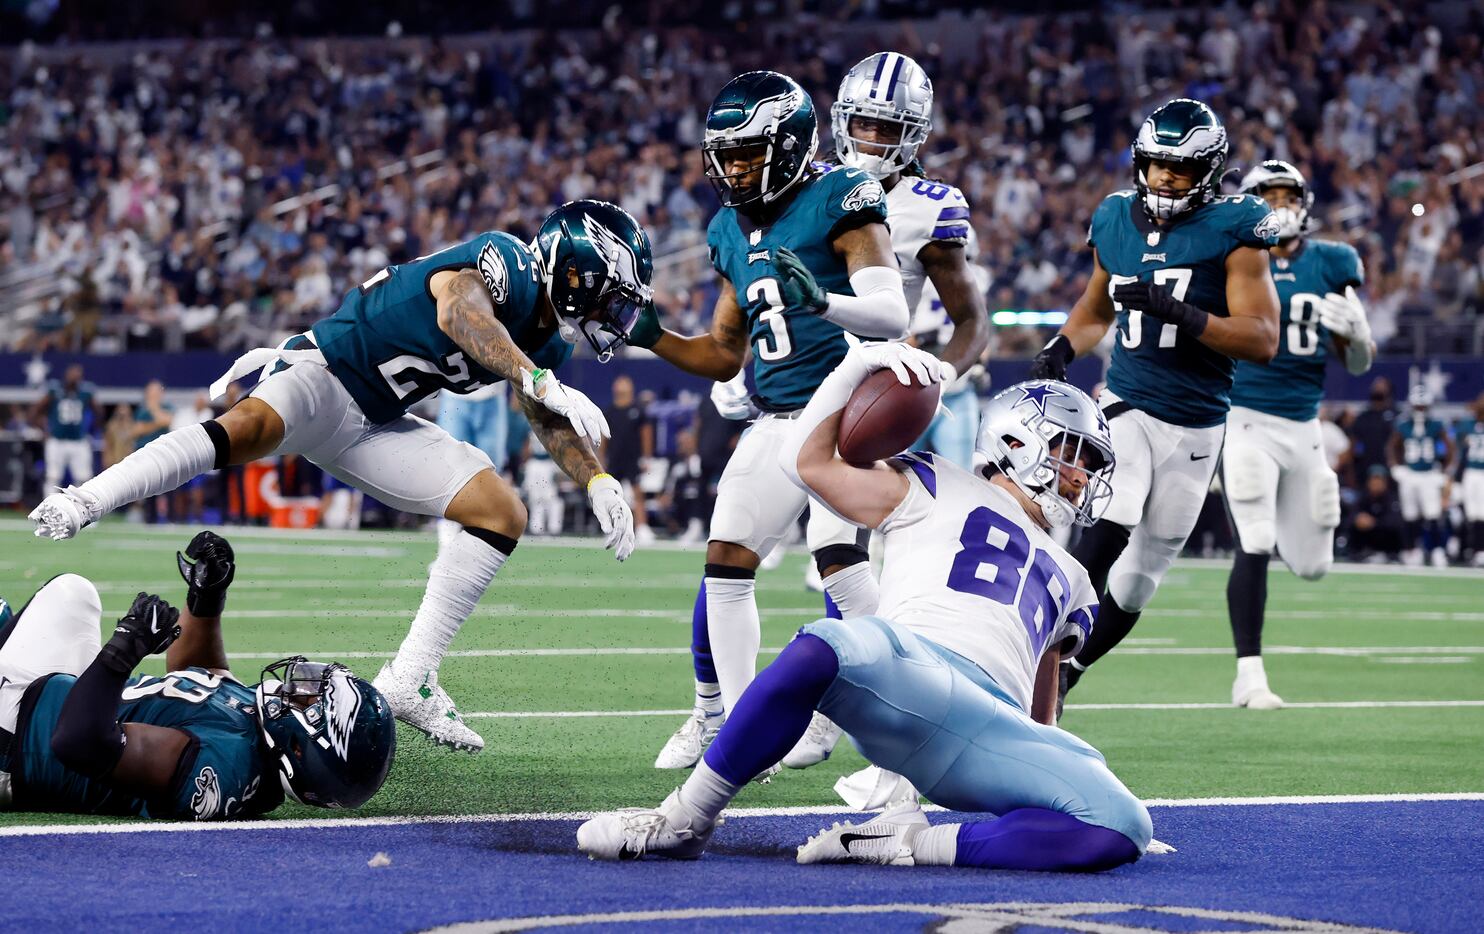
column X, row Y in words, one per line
column 990, row 539
column 779, row 344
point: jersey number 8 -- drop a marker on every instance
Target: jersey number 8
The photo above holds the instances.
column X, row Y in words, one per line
column 1179, row 282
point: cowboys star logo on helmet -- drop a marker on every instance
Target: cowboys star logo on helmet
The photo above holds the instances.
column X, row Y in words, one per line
column 496, row 276
column 1038, row 393
column 342, row 703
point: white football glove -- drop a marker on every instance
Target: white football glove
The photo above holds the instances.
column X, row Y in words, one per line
column 586, row 418
column 605, row 495
column 732, row 399
column 905, row 361
column 1344, row 316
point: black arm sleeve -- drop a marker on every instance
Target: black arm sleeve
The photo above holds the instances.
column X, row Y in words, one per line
column 88, row 737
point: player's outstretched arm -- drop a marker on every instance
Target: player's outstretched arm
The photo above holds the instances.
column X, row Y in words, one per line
column 866, row 496
column 947, row 266
column 139, row 758
column 1087, row 322
column 718, row 355
column 467, row 315
column 208, row 566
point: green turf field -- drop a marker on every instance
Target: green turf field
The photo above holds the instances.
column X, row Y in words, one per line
column 566, row 630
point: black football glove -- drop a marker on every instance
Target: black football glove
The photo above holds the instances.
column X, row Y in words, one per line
column 1052, row 361
column 148, row 628
column 1159, row 302
column 208, row 567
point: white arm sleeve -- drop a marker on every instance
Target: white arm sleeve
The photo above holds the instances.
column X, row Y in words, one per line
column 1360, row 351
column 877, row 309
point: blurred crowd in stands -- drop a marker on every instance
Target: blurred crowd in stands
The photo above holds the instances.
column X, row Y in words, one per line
column 222, row 194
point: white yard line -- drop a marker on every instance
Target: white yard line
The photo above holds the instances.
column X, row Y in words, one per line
column 1301, row 705
column 1332, row 650
column 37, row 830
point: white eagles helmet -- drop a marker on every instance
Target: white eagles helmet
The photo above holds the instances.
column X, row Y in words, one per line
column 1024, row 433
column 891, row 87
column 1275, row 173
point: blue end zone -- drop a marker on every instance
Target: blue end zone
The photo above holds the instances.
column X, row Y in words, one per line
column 1396, row 866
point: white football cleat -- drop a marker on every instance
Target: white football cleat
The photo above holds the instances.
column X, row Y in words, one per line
column 65, row 513
column 423, row 705
column 633, row 833
column 816, row 744
column 883, row 841
column 686, row 745
column 1254, row 694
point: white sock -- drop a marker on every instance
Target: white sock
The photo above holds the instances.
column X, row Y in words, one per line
column 854, row 590
column 936, row 846
column 447, row 531
column 708, row 698
column 736, row 633
column 1249, row 668
column 458, row 578
column 159, row 467
column 704, row 795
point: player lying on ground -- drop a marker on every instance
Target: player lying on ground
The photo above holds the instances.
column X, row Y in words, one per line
column 1280, row 490
column 486, row 310
column 976, row 601
column 79, row 734
column 804, row 257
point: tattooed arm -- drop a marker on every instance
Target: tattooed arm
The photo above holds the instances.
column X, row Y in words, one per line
column 467, row 316
column 573, row 454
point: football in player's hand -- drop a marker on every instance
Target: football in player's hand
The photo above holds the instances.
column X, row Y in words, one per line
column 884, row 418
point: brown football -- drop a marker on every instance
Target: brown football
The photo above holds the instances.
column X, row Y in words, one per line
column 884, row 418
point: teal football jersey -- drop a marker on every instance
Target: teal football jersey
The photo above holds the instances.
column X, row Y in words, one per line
column 384, row 345
column 793, row 350
column 1293, row 383
column 1422, row 442
column 1157, row 370
column 224, row 773
column 67, row 411
column 1471, row 439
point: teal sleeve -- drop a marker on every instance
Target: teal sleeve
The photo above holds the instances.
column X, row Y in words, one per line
column 1348, row 268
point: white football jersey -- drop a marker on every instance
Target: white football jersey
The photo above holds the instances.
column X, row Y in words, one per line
column 919, row 212
column 968, row 569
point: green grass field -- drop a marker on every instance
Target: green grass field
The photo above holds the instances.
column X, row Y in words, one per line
column 566, row 630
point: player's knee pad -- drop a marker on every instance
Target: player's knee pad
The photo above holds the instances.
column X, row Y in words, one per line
column 1125, row 813
column 1250, row 481
column 1136, row 576
column 1313, row 567
column 1325, row 505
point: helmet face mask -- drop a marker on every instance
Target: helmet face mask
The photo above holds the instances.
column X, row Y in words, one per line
column 1188, row 134
column 1293, row 220
column 597, row 264
column 770, row 119
column 1041, row 433
column 889, row 88
column 331, row 734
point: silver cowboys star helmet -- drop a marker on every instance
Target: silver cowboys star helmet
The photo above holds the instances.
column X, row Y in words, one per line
column 892, row 88
column 1275, row 173
column 1034, row 429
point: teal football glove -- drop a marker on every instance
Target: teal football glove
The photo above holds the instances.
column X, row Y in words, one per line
column 646, row 331
column 797, row 283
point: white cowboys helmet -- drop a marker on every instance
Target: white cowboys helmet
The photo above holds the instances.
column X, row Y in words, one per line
column 1032, row 430
column 1275, row 173
column 892, row 88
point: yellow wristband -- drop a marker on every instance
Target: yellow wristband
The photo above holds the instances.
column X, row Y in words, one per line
column 598, row 477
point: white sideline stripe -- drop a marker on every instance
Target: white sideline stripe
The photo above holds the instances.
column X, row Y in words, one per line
column 1342, row 651
column 320, row 823
column 1301, row 705
column 1435, row 660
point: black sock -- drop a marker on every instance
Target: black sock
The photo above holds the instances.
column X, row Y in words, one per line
column 1476, row 536
column 1246, row 598
column 1098, row 548
column 1114, row 623
column 1412, row 533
